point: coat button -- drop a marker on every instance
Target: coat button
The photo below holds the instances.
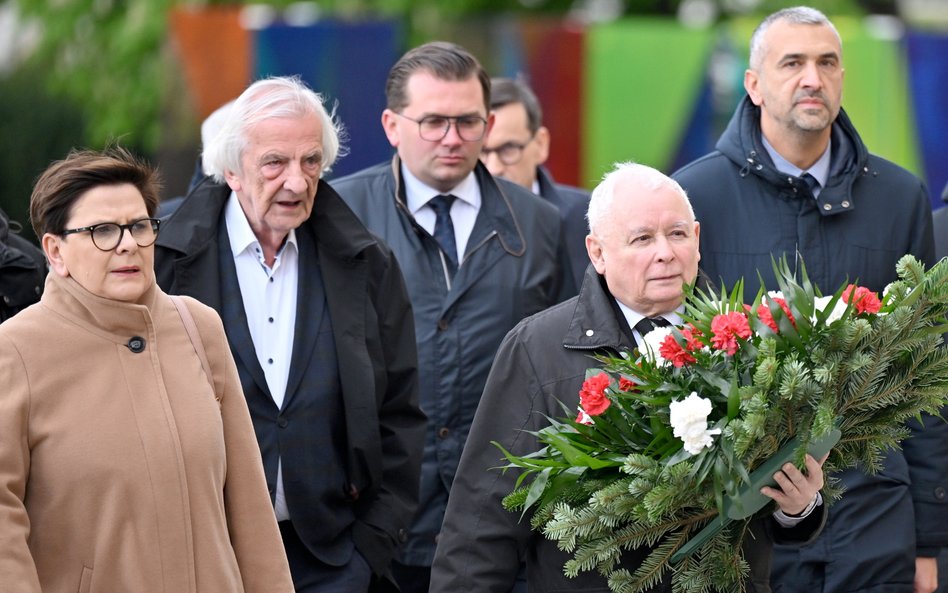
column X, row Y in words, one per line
column 844, row 203
column 590, row 333
column 136, row 344
column 282, row 422
column 940, row 493
column 443, row 432
column 442, row 324
column 827, row 207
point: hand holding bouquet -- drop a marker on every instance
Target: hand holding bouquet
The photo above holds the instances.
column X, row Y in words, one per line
column 679, row 436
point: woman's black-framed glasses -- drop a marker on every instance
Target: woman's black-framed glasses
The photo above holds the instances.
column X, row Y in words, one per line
column 434, row 128
column 108, row 235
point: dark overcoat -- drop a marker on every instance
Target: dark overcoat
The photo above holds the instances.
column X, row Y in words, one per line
column 375, row 343
column 869, row 214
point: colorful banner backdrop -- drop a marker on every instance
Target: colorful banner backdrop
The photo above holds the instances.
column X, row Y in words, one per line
column 640, row 89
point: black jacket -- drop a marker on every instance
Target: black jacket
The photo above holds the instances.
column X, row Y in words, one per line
column 22, row 271
column 375, row 343
column 541, row 363
column 869, row 215
column 510, row 270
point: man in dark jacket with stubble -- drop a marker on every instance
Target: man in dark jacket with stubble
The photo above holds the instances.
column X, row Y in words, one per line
column 791, row 176
column 643, row 245
column 478, row 253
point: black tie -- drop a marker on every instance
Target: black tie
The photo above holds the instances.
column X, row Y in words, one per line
column 811, row 183
column 647, row 324
column 444, row 229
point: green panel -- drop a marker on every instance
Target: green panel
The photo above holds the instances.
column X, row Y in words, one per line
column 876, row 97
column 642, row 78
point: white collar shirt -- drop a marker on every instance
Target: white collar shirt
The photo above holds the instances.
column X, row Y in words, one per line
column 633, row 317
column 463, row 211
column 269, row 295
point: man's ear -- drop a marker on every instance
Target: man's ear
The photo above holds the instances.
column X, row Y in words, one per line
column 542, row 138
column 232, row 179
column 52, row 247
column 594, row 249
column 390, row 126
column 751, row 85
column 698, row 239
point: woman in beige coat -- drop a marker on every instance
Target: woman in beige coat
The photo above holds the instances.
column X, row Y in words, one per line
column 122, row 470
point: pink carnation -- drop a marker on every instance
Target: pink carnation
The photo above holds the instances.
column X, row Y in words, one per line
column 764, row 314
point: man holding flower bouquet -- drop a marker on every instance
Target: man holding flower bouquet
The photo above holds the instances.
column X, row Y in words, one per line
column 643, row 246
column 792, row 177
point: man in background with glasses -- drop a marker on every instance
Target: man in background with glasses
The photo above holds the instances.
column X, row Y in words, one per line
column 478, row 253
column 516, row 149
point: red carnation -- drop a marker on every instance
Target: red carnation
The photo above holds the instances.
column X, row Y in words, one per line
column 726, row 328
column 627, row 385
column 764, row 314
column 691, row 334
column 863, row 299
column 592, row 396
column 672, row 351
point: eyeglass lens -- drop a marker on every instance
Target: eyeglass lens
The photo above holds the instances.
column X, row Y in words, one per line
column 107, row 236
column 434, row 128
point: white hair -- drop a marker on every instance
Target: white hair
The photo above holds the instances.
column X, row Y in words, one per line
column 645, row 177
column 277, row 97
column 797, row 15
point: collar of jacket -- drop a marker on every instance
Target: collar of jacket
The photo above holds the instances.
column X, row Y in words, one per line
column 495, row 207
column 594, row 325
column 334, row 225
column 545, row 181
column 116, row 321
column 741, row 143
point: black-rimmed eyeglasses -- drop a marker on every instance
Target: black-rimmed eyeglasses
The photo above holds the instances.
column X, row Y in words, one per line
column 108, row 235
column 434, row 128
column 509, row 153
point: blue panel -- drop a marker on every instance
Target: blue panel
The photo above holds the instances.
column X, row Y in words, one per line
column 346, row 62
column 928, row 77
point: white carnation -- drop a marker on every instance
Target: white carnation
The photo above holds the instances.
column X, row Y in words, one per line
column 820, row 303
column 652, row 343
column 689, row 419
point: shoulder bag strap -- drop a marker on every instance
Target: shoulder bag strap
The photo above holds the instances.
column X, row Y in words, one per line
column 195, row 337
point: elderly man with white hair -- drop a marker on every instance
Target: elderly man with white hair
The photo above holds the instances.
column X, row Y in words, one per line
column 317, row 315
column 643, row 247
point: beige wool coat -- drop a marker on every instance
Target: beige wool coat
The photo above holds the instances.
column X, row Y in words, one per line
column 119, row 470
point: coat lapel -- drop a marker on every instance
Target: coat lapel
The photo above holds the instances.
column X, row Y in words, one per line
column 310, row 308
column 233, row 314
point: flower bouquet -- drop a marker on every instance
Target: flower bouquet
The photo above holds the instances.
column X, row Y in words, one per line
column 673, row 441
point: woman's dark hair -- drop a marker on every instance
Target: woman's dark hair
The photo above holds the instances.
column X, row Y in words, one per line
column 65, row 181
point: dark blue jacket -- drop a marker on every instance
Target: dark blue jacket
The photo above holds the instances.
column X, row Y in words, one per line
column 510, row 270
column 572, row 203
column 870, row 214
column 371, row 321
